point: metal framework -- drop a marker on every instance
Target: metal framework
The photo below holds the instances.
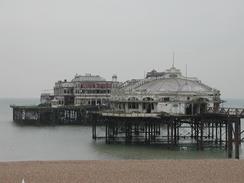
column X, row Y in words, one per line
column 200, row 131
column 220, row 128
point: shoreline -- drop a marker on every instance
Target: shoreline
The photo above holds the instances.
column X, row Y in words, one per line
column 123, row 171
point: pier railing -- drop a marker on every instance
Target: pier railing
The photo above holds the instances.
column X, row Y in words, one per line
column 135, row 115
column 238, row 112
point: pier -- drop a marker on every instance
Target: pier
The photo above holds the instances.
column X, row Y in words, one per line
column 213, row 129
column 63, row 115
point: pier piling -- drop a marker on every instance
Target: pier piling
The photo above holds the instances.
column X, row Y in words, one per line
column 174, row 131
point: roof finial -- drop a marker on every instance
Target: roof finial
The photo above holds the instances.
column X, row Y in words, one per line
column 173, row 65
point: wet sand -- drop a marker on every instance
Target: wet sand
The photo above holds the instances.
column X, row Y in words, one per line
column 175, row 171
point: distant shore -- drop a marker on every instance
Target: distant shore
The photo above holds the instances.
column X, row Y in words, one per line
column 126, row 171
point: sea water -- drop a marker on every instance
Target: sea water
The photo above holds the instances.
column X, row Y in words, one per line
column 21, row 143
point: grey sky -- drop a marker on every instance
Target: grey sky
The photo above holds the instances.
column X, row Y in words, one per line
column 45, row 41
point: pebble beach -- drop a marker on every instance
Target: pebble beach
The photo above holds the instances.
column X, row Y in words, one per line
column 125, row 171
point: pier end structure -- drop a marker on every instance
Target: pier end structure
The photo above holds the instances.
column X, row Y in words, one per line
column 62, row 115
column 165, row 92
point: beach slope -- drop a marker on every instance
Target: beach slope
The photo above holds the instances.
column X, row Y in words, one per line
column 175, row 171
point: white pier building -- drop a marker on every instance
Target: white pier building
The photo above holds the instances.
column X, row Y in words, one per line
column 166, row 92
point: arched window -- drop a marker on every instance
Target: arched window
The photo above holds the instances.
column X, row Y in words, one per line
column 133, row 104
column 148, row 99
column 133, row 99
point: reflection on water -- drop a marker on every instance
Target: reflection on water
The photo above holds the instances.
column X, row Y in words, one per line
column 122, row 151
column 20, row 143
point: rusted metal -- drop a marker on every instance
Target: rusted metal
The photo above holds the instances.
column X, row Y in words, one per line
column 238, row 112
column 175, row 131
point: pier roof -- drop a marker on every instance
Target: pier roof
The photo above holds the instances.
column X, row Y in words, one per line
column 171, row 81
column 87, row 77
column 174, row 85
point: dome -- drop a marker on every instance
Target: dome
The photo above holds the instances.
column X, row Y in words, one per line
column 163, row 85
column 172, row 81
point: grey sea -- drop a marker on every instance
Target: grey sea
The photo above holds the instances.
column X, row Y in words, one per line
column 23, row 143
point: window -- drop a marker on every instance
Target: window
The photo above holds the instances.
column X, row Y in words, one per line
column 143, row 106
column 132, row 99
column 147, row 99
column 133, row 105
column 166, row 99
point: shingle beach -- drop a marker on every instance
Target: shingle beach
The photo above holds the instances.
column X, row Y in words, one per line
column 175, row 171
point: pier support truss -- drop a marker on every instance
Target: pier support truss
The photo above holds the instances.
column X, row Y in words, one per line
column 172, row 131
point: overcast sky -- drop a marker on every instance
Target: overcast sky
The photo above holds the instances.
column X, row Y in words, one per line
column 49, row 40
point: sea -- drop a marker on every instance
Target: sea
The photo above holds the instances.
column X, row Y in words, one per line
column 27, row 143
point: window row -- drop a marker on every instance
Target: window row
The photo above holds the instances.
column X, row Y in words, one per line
column 92, row 91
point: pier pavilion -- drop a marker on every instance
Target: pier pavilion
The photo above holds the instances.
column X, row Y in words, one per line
column 88, row 89
column 165, row 92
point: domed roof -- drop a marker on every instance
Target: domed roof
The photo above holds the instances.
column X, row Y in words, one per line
column 173, row 85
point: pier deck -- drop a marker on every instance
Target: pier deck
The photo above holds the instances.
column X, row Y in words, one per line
column 214, row 129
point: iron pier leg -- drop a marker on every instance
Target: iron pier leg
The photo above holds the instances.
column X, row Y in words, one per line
column 220, row 133
column 175, row 132
column 201, row 140
column 216, row 132
column 168, row 133
column 237, row 139
column 226, row 135
column 172, row 134
column 230, row 147
column 106, row 132
column 197, row 134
